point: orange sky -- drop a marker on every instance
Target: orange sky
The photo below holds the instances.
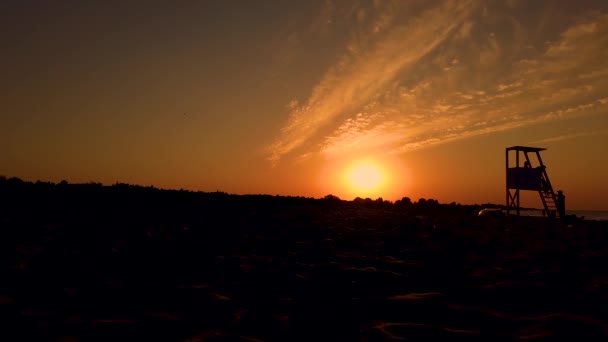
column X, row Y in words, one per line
column 284, row 97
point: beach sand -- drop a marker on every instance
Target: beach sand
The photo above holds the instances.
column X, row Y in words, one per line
column 301, row 273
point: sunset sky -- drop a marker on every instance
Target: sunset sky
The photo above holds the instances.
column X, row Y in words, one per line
column 307, row 97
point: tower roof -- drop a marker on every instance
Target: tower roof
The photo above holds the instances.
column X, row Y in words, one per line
column 525, row 149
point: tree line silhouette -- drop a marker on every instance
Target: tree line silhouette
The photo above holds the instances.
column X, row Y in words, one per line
column 121, row 199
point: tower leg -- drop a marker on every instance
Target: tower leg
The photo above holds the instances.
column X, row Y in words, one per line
column 517, row 196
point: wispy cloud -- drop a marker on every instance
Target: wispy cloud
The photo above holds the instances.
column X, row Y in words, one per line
column 360, row 75
column 447, row 73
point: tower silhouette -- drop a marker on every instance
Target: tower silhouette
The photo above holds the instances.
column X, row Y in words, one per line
column 524, row 176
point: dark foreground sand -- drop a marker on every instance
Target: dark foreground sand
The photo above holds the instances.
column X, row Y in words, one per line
column 342, row 273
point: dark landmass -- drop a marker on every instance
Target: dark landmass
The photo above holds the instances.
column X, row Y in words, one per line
column 86, row 262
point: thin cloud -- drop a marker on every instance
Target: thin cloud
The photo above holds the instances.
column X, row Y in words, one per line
column 568, row 136
column 502, row 87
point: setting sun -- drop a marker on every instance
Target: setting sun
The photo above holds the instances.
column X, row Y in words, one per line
column 365, row 177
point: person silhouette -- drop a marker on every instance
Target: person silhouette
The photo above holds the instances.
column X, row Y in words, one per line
column 560, row 204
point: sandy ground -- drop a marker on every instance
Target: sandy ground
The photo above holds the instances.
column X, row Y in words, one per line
column 304, row 273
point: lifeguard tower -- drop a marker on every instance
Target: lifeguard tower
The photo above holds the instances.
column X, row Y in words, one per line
column 528, row 173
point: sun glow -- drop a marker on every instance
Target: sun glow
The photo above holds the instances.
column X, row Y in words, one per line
column 365, row 177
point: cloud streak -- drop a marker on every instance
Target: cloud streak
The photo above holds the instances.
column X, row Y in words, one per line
column 568, row 136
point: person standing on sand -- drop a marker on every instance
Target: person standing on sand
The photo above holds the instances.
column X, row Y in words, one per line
column 560, row 204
